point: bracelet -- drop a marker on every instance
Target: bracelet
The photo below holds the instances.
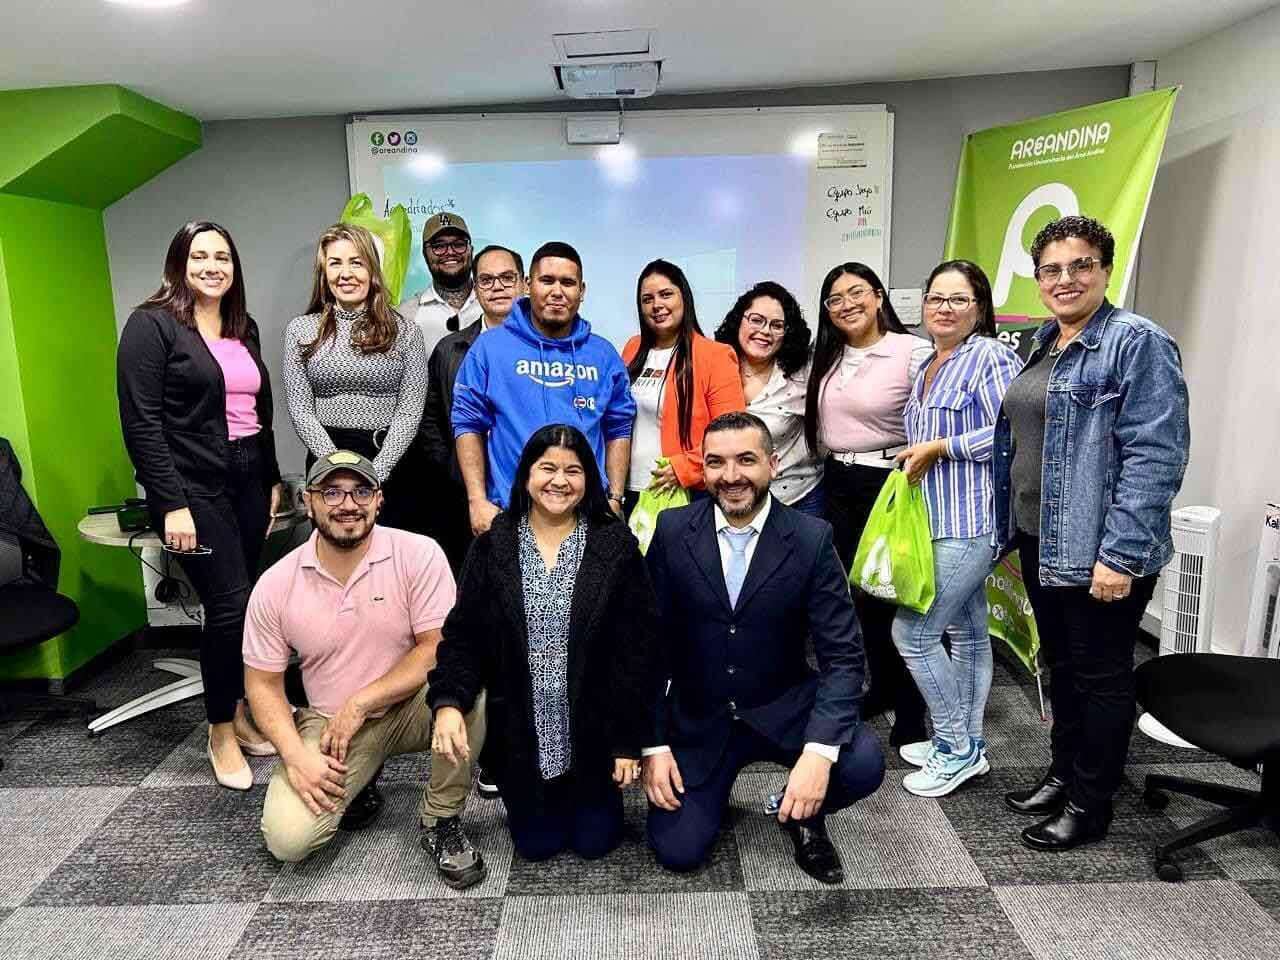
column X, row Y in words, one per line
column 615, row 498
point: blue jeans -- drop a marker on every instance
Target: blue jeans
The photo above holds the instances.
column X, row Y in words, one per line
column 813, row 503
column 954, row 687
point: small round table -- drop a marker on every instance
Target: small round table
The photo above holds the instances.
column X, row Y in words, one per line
column 102, row 528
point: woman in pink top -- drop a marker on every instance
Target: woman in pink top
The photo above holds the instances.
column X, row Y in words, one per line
column 863, row 365
column 195, row 406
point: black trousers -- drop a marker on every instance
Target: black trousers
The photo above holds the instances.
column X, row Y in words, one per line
column 1088, row 646
column 233, row 525
column 851, row 491
column 443, row 513
column 585, row 817
column 682, row 839
column 401, row 493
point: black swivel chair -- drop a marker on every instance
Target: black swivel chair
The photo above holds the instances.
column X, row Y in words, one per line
column 31, row 609
column 1226, row 705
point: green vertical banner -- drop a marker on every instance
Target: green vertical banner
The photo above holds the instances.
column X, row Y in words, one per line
column 1097, row 161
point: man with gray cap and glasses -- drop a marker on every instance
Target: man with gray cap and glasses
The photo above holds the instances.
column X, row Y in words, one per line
column 362, row 606
column 450, row 303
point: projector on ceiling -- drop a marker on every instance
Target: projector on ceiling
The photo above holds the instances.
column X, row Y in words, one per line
column 609, row 81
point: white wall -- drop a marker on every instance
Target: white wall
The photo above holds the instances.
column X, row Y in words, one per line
column 1209, row 275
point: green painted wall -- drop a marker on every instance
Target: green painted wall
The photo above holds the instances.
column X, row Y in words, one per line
column 75, row 150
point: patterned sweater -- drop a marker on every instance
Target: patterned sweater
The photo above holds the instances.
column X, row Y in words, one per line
column 342, row 388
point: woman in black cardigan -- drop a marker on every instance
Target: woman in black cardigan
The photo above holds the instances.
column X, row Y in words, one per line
column 195, row 405
column 556, row 620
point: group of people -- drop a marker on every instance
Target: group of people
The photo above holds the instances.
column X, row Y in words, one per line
column 471, row 589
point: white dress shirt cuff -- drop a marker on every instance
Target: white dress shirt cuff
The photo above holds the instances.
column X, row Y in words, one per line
column 823, row 750
column 652, row 751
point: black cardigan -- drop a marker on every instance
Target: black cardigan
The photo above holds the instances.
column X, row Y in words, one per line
column 173, row 408
column 613, row 674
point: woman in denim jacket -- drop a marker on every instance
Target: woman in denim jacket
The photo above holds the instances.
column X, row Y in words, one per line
column 1089, row 452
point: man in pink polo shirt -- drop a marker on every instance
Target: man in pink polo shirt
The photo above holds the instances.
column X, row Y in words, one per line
column 362, row 606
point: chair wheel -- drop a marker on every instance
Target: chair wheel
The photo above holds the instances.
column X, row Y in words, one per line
column 1155, row 799
column 1168, row 871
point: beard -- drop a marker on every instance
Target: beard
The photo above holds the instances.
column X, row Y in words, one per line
column 443, row 279
column 336, row 536
column 757, row 497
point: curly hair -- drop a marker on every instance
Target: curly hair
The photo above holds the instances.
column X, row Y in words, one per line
column 794, row 352
column 1081, row 228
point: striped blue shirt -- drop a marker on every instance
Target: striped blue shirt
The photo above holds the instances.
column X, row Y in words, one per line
column 962, row 405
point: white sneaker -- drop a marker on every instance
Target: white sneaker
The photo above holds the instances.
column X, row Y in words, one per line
column 917, row 754
column 944, row 771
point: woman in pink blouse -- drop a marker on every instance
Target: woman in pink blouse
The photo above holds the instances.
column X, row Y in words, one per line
column 863, row 365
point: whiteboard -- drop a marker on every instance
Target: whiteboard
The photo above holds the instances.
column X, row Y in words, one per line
column 732, row 196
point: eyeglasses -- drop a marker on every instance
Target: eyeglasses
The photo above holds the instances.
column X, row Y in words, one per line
column 1048, row 273
column 852, row 297
column 757, row 322
column 934, row 301
column 487, row 281
column 459, row 245
column 334, row 496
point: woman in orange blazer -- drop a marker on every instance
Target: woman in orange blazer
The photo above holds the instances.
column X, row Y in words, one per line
column 680, row 379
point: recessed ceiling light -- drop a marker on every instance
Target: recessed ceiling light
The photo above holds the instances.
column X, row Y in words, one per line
column 149, row 4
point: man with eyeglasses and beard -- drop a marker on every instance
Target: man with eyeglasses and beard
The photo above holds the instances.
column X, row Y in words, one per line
column 450, row 303
column 362, row 607
column 498, row 275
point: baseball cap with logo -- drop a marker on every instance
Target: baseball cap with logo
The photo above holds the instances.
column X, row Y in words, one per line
column 442, row 222
column 342, row 460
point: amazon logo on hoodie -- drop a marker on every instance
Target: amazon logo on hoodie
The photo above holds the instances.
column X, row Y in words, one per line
column 556, row 373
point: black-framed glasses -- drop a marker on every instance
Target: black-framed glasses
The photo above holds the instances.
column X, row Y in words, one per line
column 957, row 302
column 852, row 297
column 757, row 321
column 487, row 281
column 458, row 245
column 1080, row 269
column 334, row 496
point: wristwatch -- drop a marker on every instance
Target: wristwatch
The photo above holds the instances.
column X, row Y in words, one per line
column 616, row 497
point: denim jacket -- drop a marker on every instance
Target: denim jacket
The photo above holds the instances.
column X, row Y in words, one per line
column 1116, row 441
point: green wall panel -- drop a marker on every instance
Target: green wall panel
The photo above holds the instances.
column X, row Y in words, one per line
column 75, row 150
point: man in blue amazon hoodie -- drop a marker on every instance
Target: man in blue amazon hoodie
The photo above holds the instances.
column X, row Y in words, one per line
column 543, row 366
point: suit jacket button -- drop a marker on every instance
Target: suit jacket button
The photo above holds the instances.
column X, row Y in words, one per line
column 733, row 628
column 732, row 669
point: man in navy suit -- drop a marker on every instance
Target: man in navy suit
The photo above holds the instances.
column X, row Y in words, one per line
column 742, row 582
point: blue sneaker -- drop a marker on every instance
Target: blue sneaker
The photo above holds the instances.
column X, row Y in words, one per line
column 917, row 754
column 945, row 770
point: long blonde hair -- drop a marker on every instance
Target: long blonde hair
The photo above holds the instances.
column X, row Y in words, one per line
column 377, row 331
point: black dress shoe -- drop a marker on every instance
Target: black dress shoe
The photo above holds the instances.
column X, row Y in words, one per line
column 815, row 853
column 1072, row 827
column 361, row 811
column 1047, row 796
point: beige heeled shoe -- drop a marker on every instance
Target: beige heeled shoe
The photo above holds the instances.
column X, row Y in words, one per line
column 241, row 779
column 264, row 749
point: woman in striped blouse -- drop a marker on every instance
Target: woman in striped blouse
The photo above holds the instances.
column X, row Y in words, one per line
column 356, row 372
column 950, row 419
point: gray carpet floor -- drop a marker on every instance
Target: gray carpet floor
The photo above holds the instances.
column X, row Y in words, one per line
column 123, row 847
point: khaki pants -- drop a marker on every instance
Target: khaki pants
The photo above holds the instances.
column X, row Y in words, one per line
column 293, row 832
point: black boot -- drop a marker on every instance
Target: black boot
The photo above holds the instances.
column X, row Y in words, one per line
column 1073, row 827
column 1047, row 796
column 815, row 853
column 364, row 807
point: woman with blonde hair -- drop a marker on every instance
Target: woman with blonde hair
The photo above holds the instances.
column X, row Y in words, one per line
column 355, row 371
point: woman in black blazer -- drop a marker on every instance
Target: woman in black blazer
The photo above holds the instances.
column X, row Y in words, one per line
column 556, row 620
column 195, row 405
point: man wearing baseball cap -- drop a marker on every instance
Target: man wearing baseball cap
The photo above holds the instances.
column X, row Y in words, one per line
column 450, row 303
column 362, row 607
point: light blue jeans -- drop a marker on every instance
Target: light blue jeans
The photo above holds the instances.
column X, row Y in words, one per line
column 954, row 687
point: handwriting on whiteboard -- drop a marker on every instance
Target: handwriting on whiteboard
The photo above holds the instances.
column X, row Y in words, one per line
column 852, row 204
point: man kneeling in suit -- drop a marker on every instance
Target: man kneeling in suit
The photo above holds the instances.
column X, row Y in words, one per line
column 742, row 581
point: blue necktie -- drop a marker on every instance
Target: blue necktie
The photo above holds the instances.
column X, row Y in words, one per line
column 737, row 571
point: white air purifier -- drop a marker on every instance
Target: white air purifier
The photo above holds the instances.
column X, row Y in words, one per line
column 1187, row 583
column 1262, row 638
